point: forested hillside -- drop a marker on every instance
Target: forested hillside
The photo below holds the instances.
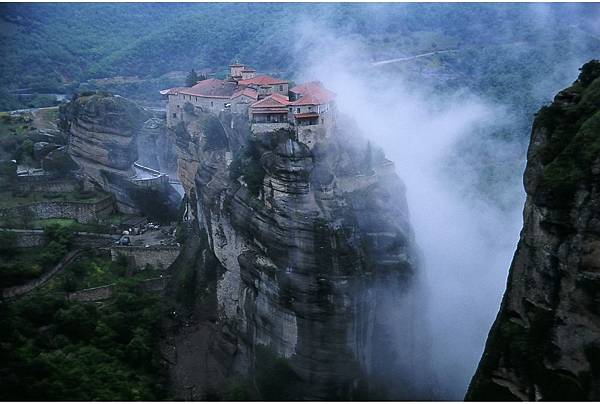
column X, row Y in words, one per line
column 56, row 47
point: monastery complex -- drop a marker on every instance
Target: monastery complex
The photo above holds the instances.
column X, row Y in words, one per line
column 268, row 102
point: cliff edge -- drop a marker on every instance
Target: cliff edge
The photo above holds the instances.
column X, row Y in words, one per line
column 107, row 134
column 545, row 342
column 302, row 247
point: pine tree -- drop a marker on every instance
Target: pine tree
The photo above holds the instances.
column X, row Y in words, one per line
column 192, row 78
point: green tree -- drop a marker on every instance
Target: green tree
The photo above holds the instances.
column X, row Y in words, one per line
column 192, row 78
column 589, row 72
column 58, row 233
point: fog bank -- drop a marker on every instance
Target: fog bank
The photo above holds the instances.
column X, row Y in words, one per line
column 467, row 242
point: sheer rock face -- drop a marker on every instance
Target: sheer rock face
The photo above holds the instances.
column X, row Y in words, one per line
column 306, row 252
column 545, row 342
column 103, row 131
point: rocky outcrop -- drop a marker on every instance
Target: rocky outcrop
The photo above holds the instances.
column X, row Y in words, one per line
column 545, row 342
column 103, row 131
column 305, row 258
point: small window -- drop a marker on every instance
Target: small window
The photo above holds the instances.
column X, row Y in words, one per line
column 174, row 115
column 178, row 106
column 291, row 109
column 211, row 104
column 297, row 110
column 280, row 88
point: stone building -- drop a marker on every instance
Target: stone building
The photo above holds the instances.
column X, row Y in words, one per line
column 238, row 71
column 268, row 101
column 210, row 95
column 266, row 85
column 241, row 100
column 235, row 71
column 269, row 114
column 311, row 104
column 310, row 109
column 235, row 94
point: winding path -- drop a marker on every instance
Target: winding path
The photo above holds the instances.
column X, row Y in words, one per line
column 16, row 291
column 98, row 240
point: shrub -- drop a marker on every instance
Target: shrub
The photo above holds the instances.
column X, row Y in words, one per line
column 62, row 235
column 589, row 72
column 52, row 253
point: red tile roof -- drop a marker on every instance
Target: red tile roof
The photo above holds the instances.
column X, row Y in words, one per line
column 312, row 93
column 275, row 103
column 263, row 80
column 212, row 88
column 248, row 92
column 272, row 100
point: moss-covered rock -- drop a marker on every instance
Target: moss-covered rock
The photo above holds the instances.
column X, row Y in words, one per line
column 571, row 144
column 543, row 344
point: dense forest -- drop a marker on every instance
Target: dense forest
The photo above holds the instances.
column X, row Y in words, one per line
column 65, row 47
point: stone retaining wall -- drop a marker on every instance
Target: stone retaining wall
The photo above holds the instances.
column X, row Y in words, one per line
column 269, row 127
column 48, row 185
column 154, row 182
column 36, row 238
column 26, row 239
column 82, row 212
column 92, row 294
column 157, row 256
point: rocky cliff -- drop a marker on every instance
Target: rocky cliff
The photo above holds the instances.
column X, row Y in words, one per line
column 545, row 342
column 300, row 253
column 103, row 132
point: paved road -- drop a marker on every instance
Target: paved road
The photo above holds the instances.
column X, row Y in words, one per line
column 407, row 58
column 21, row 111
